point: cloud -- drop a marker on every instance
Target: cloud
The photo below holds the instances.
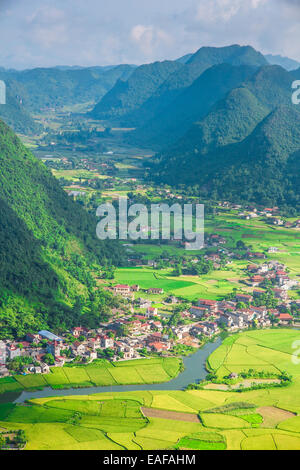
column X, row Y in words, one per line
column 217, row 10
column 149, row 38
column 96, row 32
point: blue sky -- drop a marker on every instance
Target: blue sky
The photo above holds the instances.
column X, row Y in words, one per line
column 101, row 32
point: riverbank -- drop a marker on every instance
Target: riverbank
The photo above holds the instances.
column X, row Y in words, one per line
column 194, row 371
column 96, row 374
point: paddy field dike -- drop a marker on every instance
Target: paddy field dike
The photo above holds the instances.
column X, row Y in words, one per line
column 266, row 418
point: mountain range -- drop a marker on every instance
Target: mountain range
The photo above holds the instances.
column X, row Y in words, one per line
column 223, row 113
column 244, row 147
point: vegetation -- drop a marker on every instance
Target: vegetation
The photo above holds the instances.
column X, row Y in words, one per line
column 49, row 88
column 49, row 248
column 97, row 373
column 247, row 119
column 263, row 419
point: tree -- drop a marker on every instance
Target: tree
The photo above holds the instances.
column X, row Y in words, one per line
column 49, row 359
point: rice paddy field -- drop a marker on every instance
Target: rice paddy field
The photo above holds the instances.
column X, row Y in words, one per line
column 254, row 233
column 214, row 285
column 193, row 419
column 103, row 373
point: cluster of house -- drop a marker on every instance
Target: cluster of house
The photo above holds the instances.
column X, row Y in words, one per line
column 146, row 329
column 30, row 348
column 276, row 274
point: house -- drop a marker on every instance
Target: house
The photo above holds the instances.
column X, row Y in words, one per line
column 49, row 336
column 145, row 327
column 54, row 348
column 155, row 290
column 256, row 280
column 59, row 361
column 135, row 288
column 159, row 347
column 285, row 318
column 244, row 298
column 252, row 268
column 91, row 355
column 4, row 372
column 94, row 343
column 198, row 311
column 199, row 329
column 151, row 311
column 273, row 249
column 172, row 299
column 231, row 321
column 13, row 351
column 152, row 263
column 33, row 338
column 78, row 349
column 263, row 268
column 247, row 315
column 143, row 303
column 107, row 342
column 34, row 369
column 77, row 331
column 260, row 312
column 280, row 293
column 257, row 255
column 210, row 305
column 121, row 289
column 211, row 328
column 233, row 375
column 157, row 324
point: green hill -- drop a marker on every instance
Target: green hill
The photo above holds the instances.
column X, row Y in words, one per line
column 16, row 116
column 191, row 105
column 48, row 248
column 179, row 81
column 41, row 88
column 128, row 95
column 249, row 130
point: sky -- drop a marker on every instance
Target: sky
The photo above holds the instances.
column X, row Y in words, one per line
column 43, row 33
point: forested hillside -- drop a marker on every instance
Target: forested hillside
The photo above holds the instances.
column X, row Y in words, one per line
column 158, row 104
column 245, row 149
column 191, row 105
column 128, row 95
column 57, row 87
column 15, row 115
column 48, row 248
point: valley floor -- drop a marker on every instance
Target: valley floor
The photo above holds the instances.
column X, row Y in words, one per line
column 266, row 418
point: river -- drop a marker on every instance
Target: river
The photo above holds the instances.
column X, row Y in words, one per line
column 194, row 370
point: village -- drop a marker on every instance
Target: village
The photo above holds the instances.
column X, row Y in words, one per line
column 139, row 329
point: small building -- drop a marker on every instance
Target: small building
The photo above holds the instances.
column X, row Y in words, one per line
column 121, row 289
column 155, row 290
column 50, row 336
column 244, row 298
column 198, row 311
column 210, row 305
column 151, row 311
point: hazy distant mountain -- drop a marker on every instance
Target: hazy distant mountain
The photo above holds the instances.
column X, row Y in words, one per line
column 15, row 115
column 285, row 62
column 63, row 86
column 184, row 59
